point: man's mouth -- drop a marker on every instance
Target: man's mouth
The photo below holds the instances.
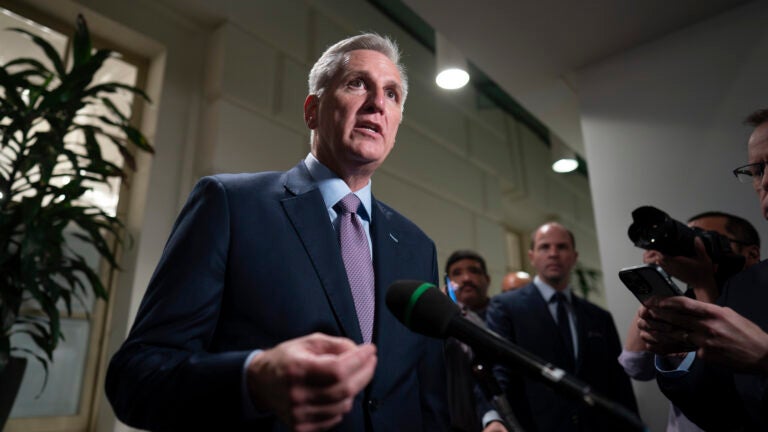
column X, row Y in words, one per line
column 370, row 126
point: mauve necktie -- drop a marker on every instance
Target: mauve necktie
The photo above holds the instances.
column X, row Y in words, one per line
column 564, row 324
column 357, row 261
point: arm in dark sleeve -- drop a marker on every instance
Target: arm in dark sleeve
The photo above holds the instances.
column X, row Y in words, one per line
column 164, row 377
column 498, row 319
column 432, row 376
column 707, row 394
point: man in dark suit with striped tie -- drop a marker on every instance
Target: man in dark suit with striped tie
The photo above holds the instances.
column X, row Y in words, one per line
column 546, row 318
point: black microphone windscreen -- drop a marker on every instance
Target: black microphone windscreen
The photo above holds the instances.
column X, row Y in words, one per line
column 421, row 307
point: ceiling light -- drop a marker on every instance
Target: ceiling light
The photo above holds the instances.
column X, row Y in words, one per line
column 565, row 165
column 564, row 159
column 451, row 65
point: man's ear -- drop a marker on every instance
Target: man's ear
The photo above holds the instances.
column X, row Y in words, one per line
column 310, row 111
column 753, row 254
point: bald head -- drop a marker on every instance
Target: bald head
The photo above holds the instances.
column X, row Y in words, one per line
column 515, row 280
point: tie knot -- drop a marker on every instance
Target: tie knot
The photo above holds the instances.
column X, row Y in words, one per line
column 559, row 297
column 349, row 204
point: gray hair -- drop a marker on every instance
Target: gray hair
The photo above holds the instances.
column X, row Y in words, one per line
column 326, row 67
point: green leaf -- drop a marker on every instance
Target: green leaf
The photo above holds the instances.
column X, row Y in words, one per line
column 39, row 105
column 136, row 137
column 108, row 103
column 92, row 276
column 49, row 50
column 113, row 87
column 42, row 361
column 10, row 85
column 81, row 46
column 28, row 61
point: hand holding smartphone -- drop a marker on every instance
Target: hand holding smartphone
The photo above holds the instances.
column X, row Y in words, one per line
column 649, row 281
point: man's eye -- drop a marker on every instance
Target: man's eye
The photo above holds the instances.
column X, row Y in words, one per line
column 392, row 94
column 356, row 83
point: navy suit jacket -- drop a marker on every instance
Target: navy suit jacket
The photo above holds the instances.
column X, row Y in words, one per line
column 522, row 316
column 253, row 261
column 714, row 397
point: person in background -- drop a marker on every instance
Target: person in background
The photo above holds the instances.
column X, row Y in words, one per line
column 547, row 319
column 712, row 359
column 470, row 280
column 515, row 280
column 744, row 241
column 467, row 276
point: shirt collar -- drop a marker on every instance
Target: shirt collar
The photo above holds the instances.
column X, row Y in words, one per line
column 332, row 188
column 547, row 291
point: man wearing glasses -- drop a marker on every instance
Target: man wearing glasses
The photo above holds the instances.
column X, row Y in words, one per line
column 722, row 381
column 699, row 273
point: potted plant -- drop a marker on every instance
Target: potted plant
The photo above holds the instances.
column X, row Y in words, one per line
column 50, row 156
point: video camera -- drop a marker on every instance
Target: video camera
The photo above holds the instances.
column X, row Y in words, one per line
column 652, row 229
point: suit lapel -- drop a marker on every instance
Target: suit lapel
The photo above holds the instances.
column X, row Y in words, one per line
column 386, row 261
column 540, row 303
column 306, row 210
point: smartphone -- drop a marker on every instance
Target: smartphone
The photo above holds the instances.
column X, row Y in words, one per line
column 450, row 287
column 648, row 281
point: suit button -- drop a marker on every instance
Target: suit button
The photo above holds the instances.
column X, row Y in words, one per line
column 373, row 405
column 575, row 419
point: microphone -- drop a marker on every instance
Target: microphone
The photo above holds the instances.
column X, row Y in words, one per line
column 422, row 308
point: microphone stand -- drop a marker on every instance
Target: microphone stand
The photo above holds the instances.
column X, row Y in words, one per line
column 492, row 345
column 492, row 391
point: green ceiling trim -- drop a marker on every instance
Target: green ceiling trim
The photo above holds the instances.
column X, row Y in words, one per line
column 401, row 14
column 420, row 30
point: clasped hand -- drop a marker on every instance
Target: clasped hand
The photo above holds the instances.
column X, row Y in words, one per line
column 310, row 382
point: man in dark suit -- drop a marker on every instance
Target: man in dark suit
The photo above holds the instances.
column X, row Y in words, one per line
column 721, row 384
column 547, row 319
column 266, row 310
column 469, row 280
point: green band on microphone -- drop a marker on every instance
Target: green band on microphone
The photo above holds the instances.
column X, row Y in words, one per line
column 414, row 298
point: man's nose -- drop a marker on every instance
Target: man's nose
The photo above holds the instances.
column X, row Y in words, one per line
column 375, row 100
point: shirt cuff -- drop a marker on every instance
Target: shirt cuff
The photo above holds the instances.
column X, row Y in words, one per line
column 491, row 416
column 665, row 365
column 248, row 409
column 638, row 364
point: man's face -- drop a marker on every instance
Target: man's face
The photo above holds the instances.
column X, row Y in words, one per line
column 553, row 255
column 758, row 152
column 471, row 282
column 356, row 119
column 751, row 253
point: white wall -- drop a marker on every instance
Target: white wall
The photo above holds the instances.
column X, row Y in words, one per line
column 662, row 127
